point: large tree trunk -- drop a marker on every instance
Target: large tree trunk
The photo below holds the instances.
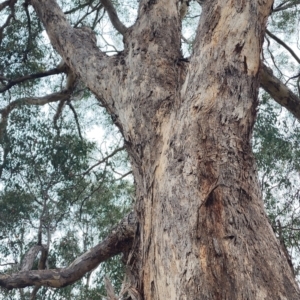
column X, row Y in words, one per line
column 203, row 232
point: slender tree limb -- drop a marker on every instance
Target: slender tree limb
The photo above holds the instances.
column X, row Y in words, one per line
column 44, row 211
column 60, row 96
column 41, row 266
column 108, row 44
column 96, row 8
column 88, row 3
column 11, row 4
column 119, row 240
column 29, row 40
column 6, row 23
column 279, row 41
column 111, row 294
column 8, row 264
column 65, row 94
column 59, row 110
column 34, row 292
column 124, row 175
column 113, row 16
column 4, row 4
column 272, row 56
column 11, row 83
column 285, row 5
column 43, row 258
column 185, row 40
column 103, row 160
column 76, row 118
column 98, row 18
column 279, row 91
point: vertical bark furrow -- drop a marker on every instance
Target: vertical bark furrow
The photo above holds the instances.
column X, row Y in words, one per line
column 205, row 234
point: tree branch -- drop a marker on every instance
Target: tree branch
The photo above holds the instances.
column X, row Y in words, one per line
column 96, row 8
column 79, row 51
column 103, row 160
column 81, row 6
column 76, row 118
column 30, row 257
column 65, row 94
column 284, row 7
column 279, row 41
column 279, row 91
column 13, row 82
column 119, row 240
column 113, row 16
column 29, row 40
column 4, row 4
column 124, row 175
column 60, row 96
column 11, row 4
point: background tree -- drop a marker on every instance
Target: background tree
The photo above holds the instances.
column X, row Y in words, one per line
column 224, row 219
column 58, row 198
column 46, row 152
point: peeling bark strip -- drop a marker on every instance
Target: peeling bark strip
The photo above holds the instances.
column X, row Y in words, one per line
column 203, row 232
column 118, row 241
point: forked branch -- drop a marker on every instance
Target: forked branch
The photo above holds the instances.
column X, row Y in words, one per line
column 79, row 51
column 30, row 256
column 118, row 241
column 103, row 160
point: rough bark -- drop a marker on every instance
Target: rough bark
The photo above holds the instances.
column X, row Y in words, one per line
column 203, row 232
column 30, row 256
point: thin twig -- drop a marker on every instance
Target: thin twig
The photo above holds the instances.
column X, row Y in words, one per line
column 103, row 160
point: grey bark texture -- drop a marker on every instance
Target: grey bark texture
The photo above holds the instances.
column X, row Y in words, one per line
column 202, row 229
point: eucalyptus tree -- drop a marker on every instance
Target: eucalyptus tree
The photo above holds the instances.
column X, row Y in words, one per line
column 199, row 229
